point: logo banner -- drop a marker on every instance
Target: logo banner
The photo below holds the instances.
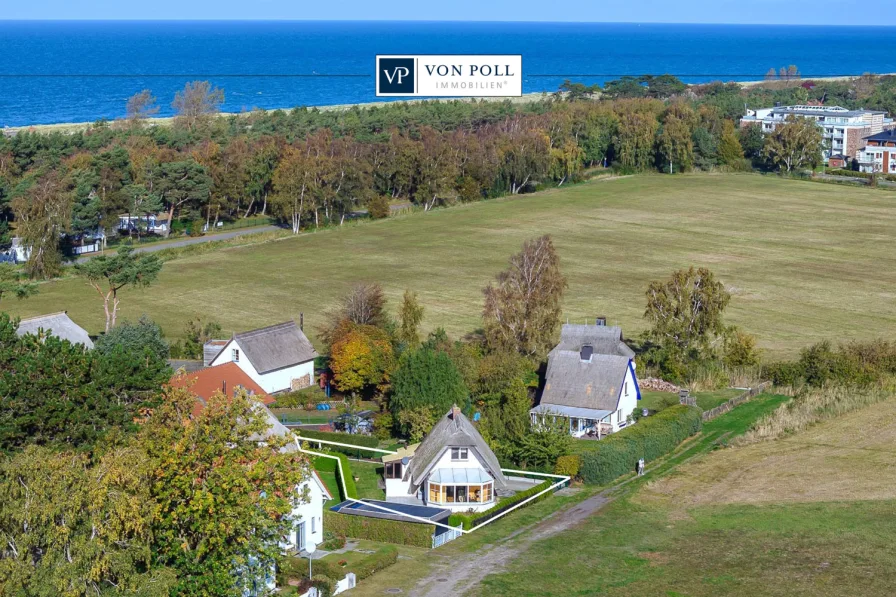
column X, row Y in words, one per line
column 450, row 75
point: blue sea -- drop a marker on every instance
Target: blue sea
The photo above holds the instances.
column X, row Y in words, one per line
column 82, row 71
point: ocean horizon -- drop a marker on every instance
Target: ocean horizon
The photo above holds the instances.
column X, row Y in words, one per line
column 81, row 71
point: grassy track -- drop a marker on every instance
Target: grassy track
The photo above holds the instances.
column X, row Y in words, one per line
column 801, row 516
column 804, row 261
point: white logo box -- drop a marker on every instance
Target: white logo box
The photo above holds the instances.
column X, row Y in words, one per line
column 456, row 75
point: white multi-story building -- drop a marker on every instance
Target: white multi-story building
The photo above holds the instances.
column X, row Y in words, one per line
column 843, row 129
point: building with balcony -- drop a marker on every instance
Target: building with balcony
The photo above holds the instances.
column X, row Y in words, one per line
column 843, row 129
column 879, row 153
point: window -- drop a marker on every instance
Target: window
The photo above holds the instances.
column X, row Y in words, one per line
column 235, row 355
column 619, row 416
column 313, row 526
column 393, row 470
column 449, row 494
column 434, row 492
column 459, row 454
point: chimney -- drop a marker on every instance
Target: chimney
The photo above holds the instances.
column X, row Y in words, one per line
column 600, row 321
column 455, row 410
column 302, row 321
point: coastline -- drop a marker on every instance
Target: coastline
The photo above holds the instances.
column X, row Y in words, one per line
column 71, row 127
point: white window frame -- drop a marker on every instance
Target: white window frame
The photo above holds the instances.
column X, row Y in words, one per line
column 235, row 355
column 463, row 454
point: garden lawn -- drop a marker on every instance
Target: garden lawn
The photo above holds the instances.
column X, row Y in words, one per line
column 803, row 261
column 705, row 400
column 368, row 474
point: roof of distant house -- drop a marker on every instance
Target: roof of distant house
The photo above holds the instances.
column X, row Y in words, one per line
column 56, row 324
column 887, row 135
column 276, row 347
column 453, row 430
column 226, row 378
column 582, row 378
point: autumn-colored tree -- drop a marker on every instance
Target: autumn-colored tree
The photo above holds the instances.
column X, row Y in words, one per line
column 43, row 213
column 410, row 314
column 730, row 151
column 224, row 497
column 292, row 184
column 674, row 142
column 522, row 307
column 197, row 101
column 76, row 528
column 141, row 106
column 685, row 312
column 796, row 144
column 635, row 138
column 361, row 357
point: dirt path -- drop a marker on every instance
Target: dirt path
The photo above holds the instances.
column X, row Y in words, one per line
column 455, row 577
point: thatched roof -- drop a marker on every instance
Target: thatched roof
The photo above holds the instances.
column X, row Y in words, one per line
column 56, row 324
column 276, row 347
column 590, row 379
column 453, row 430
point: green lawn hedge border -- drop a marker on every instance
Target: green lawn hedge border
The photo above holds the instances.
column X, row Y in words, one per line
column 649, row 439
column 328, row 465
column 380, row 529
column 366, row 441
column 470, row 520
column 296, row 567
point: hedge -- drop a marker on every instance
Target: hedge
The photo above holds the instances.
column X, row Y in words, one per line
column 857, row 174
column 345, row 438
column 649, row 439
column 470, row 520
column 328, row 465
column 380, row 529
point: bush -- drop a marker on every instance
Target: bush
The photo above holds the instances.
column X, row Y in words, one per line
column 306, row 398
column 471, row 520
column 383, row 558
column 196, row 228
column 568, row 465
column 855, row 363
column 332, row 541
column 328, row 465
column 378, row 207
column 380, row 529
column 346, row 438
column 651, row 438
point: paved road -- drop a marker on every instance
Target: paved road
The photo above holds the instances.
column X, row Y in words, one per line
column 152, row 248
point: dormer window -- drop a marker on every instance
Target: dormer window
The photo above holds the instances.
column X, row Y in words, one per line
column 459, row 454
column 586, row 352
column 235, row 355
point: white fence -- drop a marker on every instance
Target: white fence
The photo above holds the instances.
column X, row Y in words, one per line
column 442, row 539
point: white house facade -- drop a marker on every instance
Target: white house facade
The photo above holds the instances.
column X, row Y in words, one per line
column 278, row 358
column 591, row 384
column 452, row 468
column 307, row 516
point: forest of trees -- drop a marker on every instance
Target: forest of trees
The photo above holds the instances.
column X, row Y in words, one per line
column 311, row 168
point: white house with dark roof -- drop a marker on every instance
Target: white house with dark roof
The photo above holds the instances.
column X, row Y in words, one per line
column 590, row 381
column 279, row 358
column 55, row 324
column 452, row 468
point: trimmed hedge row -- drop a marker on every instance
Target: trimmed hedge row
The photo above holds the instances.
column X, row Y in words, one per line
column 470, row 520
column 328, row 465
column 366, row 441
column 857, row 174
column 380, row 529
column 649, row 439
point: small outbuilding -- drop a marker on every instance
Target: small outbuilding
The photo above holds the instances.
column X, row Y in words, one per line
column 55, row 324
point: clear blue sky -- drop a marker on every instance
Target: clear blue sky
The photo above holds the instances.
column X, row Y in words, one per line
column 785, row 12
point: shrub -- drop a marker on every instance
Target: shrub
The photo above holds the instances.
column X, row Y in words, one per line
column 568, row 465
column 740, row 350
column 382, row 558
column 382, row 426
column 196, row 228
column 324, row 584
column 380, row 529
column 651, row 438
column 471, row 520
column 332, row 541
column 328, row 465
column 378, row 207
column 305, row 398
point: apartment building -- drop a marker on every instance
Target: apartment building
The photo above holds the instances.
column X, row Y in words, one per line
column 879, row 153
column 844, row 130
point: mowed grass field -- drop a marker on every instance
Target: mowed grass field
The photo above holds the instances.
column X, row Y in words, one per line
column 807, row 515
column 803, row 261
